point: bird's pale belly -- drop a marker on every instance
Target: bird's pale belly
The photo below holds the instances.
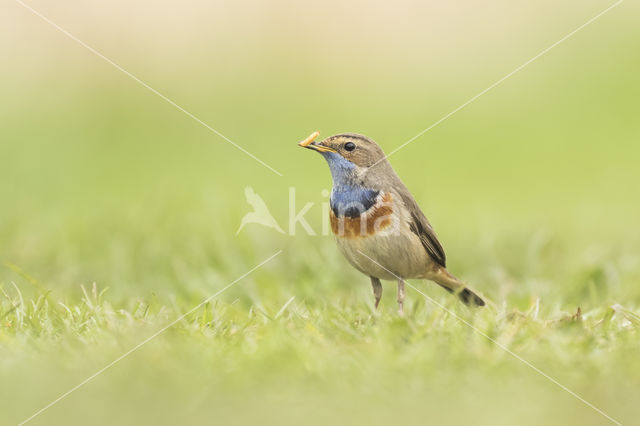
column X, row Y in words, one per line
column 387, row 255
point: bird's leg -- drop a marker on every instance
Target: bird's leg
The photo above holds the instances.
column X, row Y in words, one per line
column 377, row 290
column 400, row 296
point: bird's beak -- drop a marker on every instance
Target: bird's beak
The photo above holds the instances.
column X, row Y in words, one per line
column 310, row 144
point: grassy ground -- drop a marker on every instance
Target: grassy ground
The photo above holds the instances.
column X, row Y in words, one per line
column 259, row 354
column 118, row 215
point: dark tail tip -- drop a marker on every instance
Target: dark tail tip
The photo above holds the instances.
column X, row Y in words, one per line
column 470, row 298
column 467, row 296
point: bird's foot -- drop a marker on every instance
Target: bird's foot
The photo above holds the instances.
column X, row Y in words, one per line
column 400, row 297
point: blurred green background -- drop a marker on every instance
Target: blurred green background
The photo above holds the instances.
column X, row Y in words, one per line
column 532, row 188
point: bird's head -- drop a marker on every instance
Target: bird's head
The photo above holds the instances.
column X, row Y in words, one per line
column 350, row 156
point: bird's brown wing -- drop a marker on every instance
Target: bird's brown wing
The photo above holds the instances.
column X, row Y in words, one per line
column 420, row 226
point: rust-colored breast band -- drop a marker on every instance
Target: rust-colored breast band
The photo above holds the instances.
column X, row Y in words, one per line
column 367, row 224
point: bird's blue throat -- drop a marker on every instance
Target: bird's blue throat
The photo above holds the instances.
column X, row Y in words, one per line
column 348, row 197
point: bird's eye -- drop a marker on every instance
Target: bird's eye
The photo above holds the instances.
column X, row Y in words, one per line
column 349, row 146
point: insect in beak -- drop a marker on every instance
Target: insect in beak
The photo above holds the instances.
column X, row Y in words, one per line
column 310, row 144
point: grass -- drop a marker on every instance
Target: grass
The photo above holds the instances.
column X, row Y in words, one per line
column 278, row 349
column 118, row 215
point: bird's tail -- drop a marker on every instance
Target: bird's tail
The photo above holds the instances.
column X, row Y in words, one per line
column 453, row 285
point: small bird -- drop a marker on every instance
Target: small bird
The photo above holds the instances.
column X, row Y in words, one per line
column 378, row 225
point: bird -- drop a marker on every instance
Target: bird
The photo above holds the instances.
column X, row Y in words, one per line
column 379, row 227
